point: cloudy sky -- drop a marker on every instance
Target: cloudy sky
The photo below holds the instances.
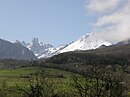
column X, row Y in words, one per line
column 63, row 21
column 113, row 18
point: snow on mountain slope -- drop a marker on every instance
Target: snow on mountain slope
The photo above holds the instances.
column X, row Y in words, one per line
column 51, row 52
column 39, row 47
column 87, row 42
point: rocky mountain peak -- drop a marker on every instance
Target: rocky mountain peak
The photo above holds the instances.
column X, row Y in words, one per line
column 37, row 47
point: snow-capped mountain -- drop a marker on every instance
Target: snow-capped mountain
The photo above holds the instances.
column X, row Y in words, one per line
column 87, row 42
column 38, row 47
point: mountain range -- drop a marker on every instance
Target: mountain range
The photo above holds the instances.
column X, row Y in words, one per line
column 40, row 49
column 36, row 49
column 86, row 42
column 111, row 55
column 10, row 50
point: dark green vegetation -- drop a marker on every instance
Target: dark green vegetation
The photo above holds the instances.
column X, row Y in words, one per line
column 104, row 72
column 116, row 54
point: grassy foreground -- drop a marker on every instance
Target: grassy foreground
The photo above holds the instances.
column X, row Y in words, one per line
column 48, row 82
column 12, row 77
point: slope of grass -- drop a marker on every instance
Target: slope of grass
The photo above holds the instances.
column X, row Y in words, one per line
column 13, row 76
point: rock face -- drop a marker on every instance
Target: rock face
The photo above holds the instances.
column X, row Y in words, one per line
column 10, row 50
column 39, row 48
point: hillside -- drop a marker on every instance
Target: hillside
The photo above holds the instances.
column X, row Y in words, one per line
column 10, row 50
column 116, row 54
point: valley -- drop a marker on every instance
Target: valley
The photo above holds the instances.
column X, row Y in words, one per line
column 87, row 67
column 64, row 48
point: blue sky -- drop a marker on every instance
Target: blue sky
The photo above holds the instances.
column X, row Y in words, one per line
column 53, row 21
column 63, row 21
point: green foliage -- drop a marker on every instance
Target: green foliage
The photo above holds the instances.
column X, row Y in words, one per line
column 99, row 83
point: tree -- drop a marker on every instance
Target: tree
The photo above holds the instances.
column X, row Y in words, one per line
column 99, row 82
column 39, row 85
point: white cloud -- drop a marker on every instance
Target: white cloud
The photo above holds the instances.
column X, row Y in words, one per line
column 114, row 21
column 102, row 6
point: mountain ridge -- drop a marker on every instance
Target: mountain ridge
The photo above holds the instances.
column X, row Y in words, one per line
column 10, row 50
column 127, row 41
column 86, row 42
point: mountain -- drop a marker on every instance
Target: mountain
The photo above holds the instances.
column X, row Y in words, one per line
column 43, row 50
column 10, row 50
column 111, row 55
column 51, row 52
column 124, row 42
column 40, row 49
column 87, row 42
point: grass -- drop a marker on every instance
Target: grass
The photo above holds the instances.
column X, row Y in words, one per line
column 13, row 76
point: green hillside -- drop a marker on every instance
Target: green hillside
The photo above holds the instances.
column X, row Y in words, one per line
column 14, row 76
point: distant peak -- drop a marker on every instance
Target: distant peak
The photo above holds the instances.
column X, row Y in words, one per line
column 91, row 34
column 127, row 41
column 35, row 38
column 17, row 41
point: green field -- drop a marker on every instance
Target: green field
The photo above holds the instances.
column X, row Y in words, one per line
column 69, row 84
column 13, row 76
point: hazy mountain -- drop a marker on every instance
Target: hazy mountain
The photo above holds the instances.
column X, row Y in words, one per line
column 10, row 50
column 124, row 42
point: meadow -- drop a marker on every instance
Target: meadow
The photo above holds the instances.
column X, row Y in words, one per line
column 45, row 81
column 13, row 76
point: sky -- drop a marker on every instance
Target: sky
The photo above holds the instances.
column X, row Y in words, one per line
column 63, row 21
column 113, row 19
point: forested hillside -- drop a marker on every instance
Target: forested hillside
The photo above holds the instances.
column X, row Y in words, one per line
column 116, row 54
